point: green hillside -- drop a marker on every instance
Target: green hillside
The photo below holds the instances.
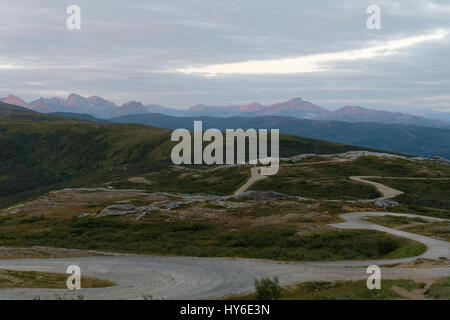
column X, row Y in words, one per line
column 42, row 152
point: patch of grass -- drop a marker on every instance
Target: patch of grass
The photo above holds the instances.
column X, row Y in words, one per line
column 411, row 250
column 394, row 221
column 318, row 188
column 194, row 238
column 421, row 210
column 423, row 193
column 431, row 229
column 217, row 182
column 32, row 279
column 330, row 180
column 265, row 210
column 216, row 206
column 440, row 289
column 341, row 290
column 439, row 230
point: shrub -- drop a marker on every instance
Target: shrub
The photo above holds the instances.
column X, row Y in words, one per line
column 267, row 289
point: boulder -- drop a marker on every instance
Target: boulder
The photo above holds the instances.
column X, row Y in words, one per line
column 385, row 203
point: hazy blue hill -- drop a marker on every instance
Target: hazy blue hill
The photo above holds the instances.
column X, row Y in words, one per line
column 81, row 116
column 12, row 112
column 414, row 140
column 358, row 114
column 7, row 110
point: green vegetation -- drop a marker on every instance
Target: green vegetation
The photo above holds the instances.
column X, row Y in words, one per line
column 439, row 230
column 292, row 145
column 32, row 279
column 422, row 194
column 415, row 225
column 331, row 180
column 189, row 180
column 43, row 152
column 38, row 156
column 320, row 188
column 410, row 250
column 193, row 238
column 341, row 290
column 267, row 289
column 440, row 289
column 395, row 221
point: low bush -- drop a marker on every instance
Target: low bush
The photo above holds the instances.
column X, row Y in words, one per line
column 267, row 289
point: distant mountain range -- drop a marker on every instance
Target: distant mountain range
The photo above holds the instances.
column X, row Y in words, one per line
column 400, row 138
column 297, row 108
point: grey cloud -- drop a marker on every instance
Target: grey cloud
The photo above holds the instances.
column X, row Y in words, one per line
column 125, row 48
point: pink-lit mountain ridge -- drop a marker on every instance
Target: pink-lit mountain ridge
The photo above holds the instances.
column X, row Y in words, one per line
column 297, row 108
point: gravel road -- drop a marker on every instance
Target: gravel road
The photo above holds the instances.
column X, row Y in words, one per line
column 205, row 278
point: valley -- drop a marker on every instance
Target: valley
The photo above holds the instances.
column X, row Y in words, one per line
column 108, row 194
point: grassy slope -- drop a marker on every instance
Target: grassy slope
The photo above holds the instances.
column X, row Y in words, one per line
column 426, row 193
column 440, row 230
column 44, row 155
column 198, row 238
column 330, row 180
column 41, row 152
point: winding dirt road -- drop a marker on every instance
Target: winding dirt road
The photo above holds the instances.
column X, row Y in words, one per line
column 387, row 192
column 204, row 278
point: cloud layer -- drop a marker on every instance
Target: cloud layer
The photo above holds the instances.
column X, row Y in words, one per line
column 165, row 52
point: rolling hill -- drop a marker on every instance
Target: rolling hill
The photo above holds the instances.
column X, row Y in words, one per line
column 42, row 152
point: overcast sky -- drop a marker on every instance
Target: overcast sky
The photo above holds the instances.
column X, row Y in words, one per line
column 182, row 53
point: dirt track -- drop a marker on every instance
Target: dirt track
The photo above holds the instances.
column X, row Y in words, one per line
column 201, row 278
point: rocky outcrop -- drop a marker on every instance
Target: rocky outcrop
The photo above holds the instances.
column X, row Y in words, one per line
column 117, row 210
column 123, row 209
column 385, row 203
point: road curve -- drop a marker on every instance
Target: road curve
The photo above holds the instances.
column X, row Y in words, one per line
column 202, row 278
column 436, row 248
column 387, row 192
